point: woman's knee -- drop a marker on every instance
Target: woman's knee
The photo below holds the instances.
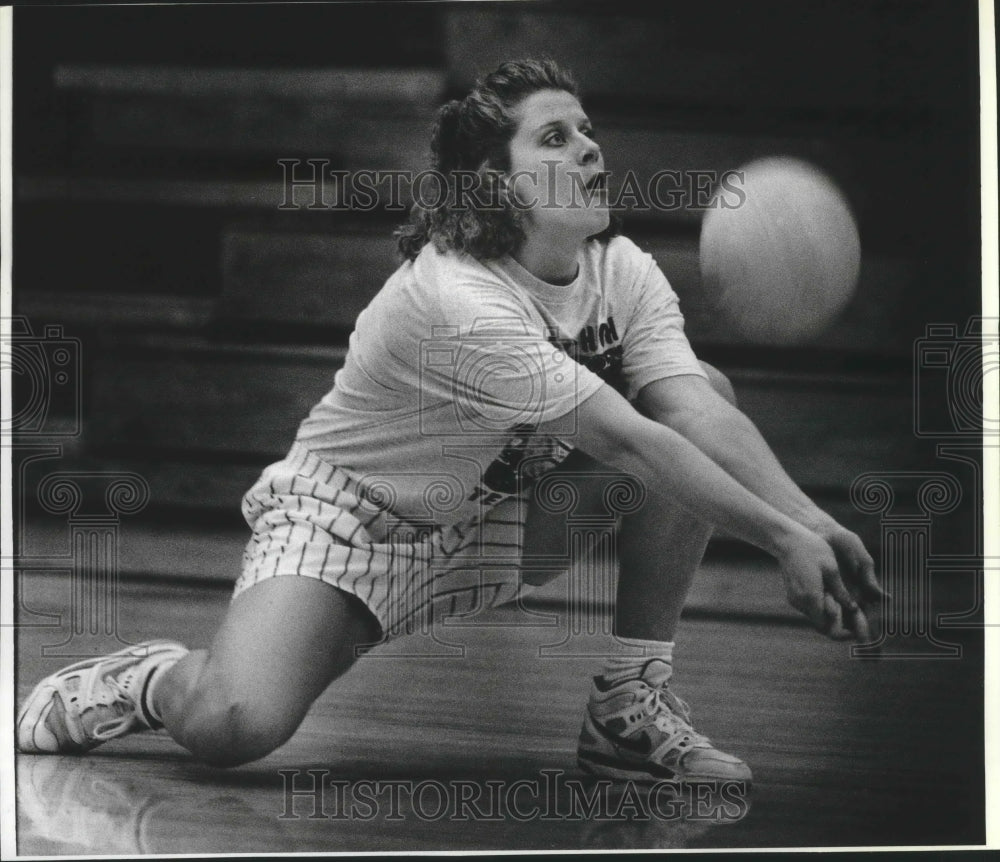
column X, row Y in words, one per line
column 226, row 728
column 720, row 383
column 261, row 675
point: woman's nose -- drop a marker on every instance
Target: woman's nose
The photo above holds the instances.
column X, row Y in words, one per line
column 590, row 151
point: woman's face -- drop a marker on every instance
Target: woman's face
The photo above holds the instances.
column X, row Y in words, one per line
column 556, row 167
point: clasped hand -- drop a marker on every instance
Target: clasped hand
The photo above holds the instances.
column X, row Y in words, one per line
column 830, row 577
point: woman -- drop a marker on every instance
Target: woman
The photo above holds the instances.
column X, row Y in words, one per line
column 519, row 329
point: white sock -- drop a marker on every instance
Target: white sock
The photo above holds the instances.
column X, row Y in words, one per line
column 148, row 710
column 617, row 669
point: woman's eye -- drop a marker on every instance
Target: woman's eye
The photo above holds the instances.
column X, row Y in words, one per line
column 590, row 133
column 555, row 138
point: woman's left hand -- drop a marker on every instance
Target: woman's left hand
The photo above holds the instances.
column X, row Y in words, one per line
column 857, row 569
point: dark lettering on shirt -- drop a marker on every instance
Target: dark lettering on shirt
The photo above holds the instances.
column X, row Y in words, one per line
column 598, row 349
column 526, row 456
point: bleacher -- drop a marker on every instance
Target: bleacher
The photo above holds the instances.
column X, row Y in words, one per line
column 149, row 218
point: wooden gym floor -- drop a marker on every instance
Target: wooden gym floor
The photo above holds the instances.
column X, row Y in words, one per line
column 845, row 752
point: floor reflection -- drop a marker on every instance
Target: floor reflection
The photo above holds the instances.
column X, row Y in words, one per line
column 112, row 806
column 79, row 805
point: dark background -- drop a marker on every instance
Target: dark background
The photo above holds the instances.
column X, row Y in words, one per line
column 202, row 322
column 882, row 94
column 147, row 187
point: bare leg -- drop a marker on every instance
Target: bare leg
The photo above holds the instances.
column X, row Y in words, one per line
column 660, row 546
column 660, row 549
column 281, row 644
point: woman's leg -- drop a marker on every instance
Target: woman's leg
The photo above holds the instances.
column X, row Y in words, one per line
column 660, row 548
column 660, row 545
column 282, row 642
column 635, row 727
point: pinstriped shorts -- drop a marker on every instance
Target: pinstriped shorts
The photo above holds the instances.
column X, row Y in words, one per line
column 309, row 519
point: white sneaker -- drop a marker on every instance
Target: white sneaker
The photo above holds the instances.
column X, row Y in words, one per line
column 92, row 701
column 640, row 730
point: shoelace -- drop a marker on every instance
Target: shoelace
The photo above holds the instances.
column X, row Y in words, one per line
column 121, row 703
column 664, row 704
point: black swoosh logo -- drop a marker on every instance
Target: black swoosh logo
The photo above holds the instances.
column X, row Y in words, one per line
column 641, row 744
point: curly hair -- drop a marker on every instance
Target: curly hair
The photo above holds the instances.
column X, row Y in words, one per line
column 472, row 136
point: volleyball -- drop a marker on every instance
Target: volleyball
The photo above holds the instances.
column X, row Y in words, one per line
column 780, row 261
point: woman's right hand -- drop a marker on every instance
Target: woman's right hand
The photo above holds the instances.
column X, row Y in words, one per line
column 814, row 586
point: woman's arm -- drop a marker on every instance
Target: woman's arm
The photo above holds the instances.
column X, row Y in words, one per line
column 612, row 431
column 692, row 407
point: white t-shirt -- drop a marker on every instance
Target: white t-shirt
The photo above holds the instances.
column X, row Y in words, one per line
column 456, row 361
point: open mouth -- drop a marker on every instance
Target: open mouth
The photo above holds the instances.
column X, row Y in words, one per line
column 598, row 182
